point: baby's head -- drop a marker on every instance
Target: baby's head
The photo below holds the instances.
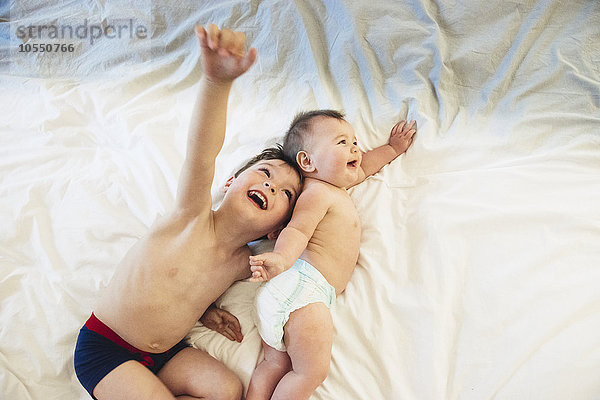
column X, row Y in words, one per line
column 323, row 145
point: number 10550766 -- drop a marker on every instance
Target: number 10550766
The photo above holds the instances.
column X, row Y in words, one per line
column 46, row 48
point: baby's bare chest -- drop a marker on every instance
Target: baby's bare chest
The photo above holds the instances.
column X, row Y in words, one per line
column 341, row 223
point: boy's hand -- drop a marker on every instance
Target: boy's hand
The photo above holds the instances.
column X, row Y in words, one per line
column 224, row 53
column 223, row 322
column 401, row 136
column 266, row 266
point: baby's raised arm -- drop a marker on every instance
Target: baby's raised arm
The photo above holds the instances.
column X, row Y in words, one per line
column 224, row 59
column 401, row 137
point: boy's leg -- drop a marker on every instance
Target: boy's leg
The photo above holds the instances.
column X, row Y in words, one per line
column 308, row 338
column 268, row 373
column 195, row 373
column 131, row 380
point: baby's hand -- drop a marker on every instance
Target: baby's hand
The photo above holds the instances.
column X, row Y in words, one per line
column 266, row 266
column 401, row 136
column 224, row 53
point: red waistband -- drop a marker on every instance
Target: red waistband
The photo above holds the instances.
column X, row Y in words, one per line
column 94, row 324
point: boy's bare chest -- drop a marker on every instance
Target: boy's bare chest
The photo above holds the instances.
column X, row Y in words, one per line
column 190, row 265
column 201, row 260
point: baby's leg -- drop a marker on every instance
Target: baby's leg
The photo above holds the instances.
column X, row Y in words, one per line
column 308, row 338
column 268, row 373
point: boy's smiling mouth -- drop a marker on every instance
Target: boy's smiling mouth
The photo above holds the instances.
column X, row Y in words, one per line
column 258, row 198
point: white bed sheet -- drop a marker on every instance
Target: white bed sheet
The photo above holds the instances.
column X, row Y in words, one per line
column 479, row 270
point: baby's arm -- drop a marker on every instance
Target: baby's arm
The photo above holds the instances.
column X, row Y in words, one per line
column 311, row 207
column 224, row 59
column 401, row 137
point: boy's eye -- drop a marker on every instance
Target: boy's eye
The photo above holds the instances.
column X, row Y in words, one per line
column 266, row 171
column 342, row 141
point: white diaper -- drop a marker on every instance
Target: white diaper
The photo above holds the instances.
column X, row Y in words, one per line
column 276, row 299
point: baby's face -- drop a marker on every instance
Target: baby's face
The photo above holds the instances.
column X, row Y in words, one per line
column 333, row 151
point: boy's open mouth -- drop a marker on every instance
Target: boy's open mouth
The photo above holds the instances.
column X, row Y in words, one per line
column 353, row 164
column 258, row 198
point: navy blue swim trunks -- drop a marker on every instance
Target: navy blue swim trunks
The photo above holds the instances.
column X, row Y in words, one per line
column 99, row 350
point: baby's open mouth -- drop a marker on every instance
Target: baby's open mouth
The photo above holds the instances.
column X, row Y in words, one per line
column 353, row 164
column 258, row 198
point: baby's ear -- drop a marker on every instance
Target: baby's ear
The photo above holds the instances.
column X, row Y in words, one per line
column 304, row 162
column 227, row 184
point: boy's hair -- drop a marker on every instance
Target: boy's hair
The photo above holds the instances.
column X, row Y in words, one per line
column 299, row 130
column 271, row 153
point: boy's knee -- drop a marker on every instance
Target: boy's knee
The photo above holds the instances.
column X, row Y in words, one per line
column 230, row 390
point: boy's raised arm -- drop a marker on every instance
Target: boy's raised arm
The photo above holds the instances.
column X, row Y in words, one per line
column 224, row 59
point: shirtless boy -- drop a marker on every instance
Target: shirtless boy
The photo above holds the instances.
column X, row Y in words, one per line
column 132, row 346
column 314, row 256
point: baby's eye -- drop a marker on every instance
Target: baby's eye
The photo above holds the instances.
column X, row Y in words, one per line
column 355, row 143
column 266, row 171
column 342, row 141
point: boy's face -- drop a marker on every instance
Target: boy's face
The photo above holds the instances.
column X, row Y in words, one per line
column 333, row 151
column 265, row 194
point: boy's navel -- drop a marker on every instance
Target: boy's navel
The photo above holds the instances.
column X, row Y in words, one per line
column 154, row 346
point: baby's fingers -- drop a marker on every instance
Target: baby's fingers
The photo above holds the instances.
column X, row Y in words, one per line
column 408, row 134
column 256, row 261
column 256, row 268
column 258, row 273
column 257, row 277
column 397, row 129
column 411, row 128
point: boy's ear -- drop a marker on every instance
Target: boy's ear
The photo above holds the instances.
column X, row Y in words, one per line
column 304, row 161
column 274, row 235
column 227, row 184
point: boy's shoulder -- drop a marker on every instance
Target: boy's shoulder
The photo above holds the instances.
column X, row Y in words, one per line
column 182, row 222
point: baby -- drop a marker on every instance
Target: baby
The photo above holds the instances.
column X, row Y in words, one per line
column 314, row 256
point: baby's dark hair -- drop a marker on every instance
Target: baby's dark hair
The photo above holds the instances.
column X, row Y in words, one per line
column 295, row 137
column 271, row 153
